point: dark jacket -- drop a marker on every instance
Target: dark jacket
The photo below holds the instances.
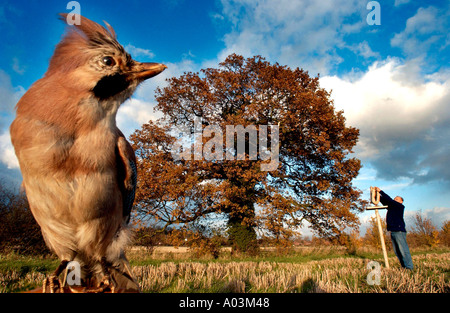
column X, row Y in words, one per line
column 394, row 216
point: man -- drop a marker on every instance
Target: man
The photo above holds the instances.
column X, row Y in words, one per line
column 396, row 225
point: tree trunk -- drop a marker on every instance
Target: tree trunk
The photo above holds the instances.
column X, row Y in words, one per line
column 241, row 232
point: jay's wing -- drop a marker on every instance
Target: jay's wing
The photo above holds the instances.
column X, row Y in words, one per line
column 127, row 171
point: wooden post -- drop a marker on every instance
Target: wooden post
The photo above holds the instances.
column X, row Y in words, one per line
column 383, row 245
column 375, row 199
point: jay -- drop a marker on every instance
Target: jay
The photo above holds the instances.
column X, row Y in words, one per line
column 79, row 171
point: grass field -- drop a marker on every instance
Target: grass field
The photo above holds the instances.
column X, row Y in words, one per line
column 327, row 269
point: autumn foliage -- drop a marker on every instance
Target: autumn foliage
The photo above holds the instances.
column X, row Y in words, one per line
column 312, row 181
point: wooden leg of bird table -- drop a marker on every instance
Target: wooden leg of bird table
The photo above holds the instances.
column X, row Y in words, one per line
column 383, row 245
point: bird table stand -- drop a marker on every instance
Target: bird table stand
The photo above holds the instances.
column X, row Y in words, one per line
column 375, row 199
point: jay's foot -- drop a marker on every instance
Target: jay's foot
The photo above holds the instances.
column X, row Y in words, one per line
column 52, row 284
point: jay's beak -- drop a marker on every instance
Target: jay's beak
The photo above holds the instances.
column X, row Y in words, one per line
column 143, row 71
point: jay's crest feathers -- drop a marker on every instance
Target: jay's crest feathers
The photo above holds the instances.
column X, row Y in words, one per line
column 73, row 50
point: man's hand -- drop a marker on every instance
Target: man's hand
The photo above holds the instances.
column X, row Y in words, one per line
column 377, row 189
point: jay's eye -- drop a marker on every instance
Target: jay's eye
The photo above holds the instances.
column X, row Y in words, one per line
column 108, row 61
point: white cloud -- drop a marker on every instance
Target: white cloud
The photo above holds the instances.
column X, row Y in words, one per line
column 217, row 17
column 396, row 186
column 139, row 52
column 10, row 95
column 138, row 110
column 7, row 155
column 17, row 67
column 400, row 2
column 427, row 28
column 363, row 49
column 133, row 113
column 438, row 215
column 404, row 120
column 292, row 32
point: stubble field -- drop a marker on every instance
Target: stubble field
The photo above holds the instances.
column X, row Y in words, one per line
column 316, row 270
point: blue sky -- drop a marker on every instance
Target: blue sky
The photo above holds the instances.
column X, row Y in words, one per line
column 392, row 80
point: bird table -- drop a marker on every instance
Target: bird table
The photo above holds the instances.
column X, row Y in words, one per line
column 375, row 199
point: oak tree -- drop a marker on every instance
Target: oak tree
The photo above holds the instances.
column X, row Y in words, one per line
column 270, row 108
